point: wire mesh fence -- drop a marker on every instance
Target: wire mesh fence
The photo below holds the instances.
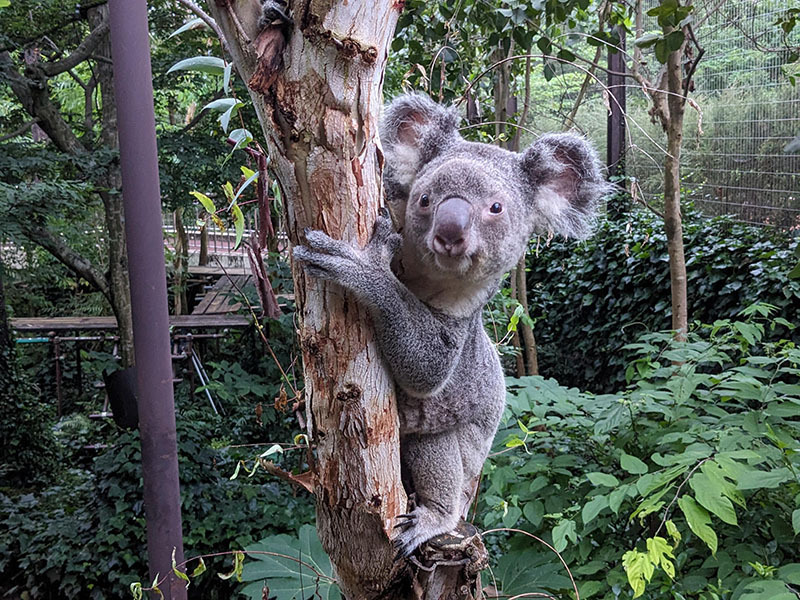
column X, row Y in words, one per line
column 734, row 159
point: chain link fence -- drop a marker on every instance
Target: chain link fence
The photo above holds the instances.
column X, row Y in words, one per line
column 737, row 157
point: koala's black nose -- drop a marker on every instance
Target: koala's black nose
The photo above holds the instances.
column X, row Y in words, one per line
column 451, row 225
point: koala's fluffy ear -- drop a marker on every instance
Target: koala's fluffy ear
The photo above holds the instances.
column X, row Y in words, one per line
column 413, row 131
column 566, row 183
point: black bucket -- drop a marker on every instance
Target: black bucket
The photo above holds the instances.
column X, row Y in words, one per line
column 121, row 390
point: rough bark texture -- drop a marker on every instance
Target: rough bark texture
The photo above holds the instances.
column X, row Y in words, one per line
column 317, row 90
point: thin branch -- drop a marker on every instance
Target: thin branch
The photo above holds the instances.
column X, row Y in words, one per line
column 208, row 20
column 19, row 130
column 196, row 119
column 81, row 53
column 43, row 237
column 35, row 99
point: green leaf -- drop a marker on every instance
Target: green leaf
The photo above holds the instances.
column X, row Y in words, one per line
column 592, row 508
column 534, row 512
column 660, row 553
column 180, row 574
column 201, row 64
column 238, row 562
column 605, row 479
column 766, row 589
column 699, row 521
column 4, row 4
column 639, row 569
column 511, row 516
column 796, row 521
column 674, row 40
column 632, row 465
column 662, row 51
column 294, row 566
column 136, row 586
column 562, row 532
column 756, row 480
column 207, row 203
column 200, row 568
column 242, row 138
column 192, row 24
column 709, row 495
column 647, row 40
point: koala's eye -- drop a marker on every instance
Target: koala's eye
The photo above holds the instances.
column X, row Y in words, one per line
column 424, row 201
column 496, row 208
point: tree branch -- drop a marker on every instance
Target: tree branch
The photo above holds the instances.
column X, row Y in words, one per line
column 81, row 53
column 35, row 98
column 19, row 130
column 41, row 236
column 208, row 20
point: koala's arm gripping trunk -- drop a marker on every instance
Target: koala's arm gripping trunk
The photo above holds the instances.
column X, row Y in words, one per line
column 421, row 347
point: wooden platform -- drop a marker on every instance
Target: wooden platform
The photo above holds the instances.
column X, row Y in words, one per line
column 222, row 297
column 216, row 271
column 60, row 324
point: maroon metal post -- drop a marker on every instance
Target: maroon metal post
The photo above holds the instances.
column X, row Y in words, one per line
column 133, row 89
column 617, row 205
column 615, row 155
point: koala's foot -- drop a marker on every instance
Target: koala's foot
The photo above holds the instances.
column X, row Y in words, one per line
column 419, row 526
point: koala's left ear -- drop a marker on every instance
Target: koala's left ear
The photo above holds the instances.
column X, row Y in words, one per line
column 414, row 130
column 566, row 184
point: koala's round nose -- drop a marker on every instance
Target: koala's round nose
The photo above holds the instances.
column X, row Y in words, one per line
column 451, row 225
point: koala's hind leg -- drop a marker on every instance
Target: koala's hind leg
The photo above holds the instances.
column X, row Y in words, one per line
column 434, row 466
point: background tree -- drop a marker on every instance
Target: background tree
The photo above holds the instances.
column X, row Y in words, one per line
column 77, row 47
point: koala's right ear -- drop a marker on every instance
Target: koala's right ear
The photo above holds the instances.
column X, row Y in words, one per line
column 413, row 131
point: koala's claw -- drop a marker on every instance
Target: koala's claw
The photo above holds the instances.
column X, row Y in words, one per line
column 405, row 521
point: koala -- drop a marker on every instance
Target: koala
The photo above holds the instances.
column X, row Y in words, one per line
column 465, row 212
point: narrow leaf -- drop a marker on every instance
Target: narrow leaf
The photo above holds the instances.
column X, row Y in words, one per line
column 201, row 64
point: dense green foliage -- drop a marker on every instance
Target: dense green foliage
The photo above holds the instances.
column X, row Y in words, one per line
column 685, row 483
column 54, row 536
column 590, row 298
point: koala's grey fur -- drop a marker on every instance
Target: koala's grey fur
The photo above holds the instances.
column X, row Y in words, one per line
column 426, row 287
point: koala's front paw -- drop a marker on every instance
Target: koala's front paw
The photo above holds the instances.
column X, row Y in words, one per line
column 326, row 258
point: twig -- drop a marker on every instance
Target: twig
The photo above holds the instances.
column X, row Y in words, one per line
column 678, row 493
column 19, row 130
column 541, row 541
column 259, row 326
column 206, row 18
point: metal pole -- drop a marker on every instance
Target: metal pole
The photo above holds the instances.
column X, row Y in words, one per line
column 133, row 89
column 615, row 136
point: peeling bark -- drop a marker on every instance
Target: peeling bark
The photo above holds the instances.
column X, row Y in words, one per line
column 318, row 99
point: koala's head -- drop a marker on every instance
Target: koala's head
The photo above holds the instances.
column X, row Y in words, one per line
column 469, row 209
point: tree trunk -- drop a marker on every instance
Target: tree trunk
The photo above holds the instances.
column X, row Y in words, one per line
column 672, row 195
column 318, row 97
column 528, row 339
column 180, row 301
column 523, row 338
column 112, row 200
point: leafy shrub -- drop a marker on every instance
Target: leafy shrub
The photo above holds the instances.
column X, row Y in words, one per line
column 685, row 484
column 28, row 451
column 84, row 535
column 589, row 298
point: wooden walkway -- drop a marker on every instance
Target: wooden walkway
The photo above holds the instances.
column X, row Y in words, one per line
column 60, row 324
column 222, row 297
